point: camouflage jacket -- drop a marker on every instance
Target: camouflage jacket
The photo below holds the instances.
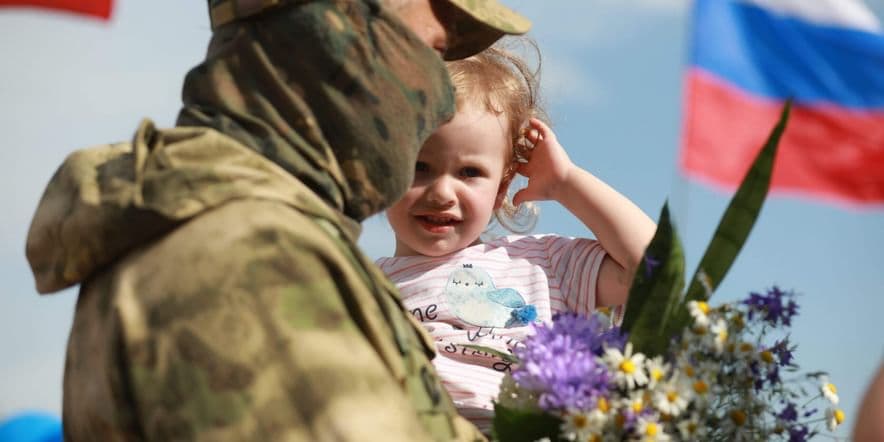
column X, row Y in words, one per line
column 253, row 318
column 222, row 296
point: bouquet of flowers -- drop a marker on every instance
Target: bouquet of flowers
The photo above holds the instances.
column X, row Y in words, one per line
column 678, row 368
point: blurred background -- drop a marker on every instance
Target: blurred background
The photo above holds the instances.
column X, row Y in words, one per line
column 613, row 73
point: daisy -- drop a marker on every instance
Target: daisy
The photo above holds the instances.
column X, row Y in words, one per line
column 599, row 416
column 575, row 425
column 672, row 397
column 767, row 357
column 627, row 367
column 744, row 350
column 657, row 370
column 700, row 389
column 834, row 417
column 595, row 437
column 735, row 424
column 635, row 403
column 700, row 312
column 650, row 429
column 719, row 334
column 691, row 428
column 829, row 391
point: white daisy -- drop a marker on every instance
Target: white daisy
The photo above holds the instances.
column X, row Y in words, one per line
column 687, row 368
column 650, row 430
column 767, row 357
column 691, row 428
column 736, row 425
column 829, row 391
column 672, row 397
column 635, row 402
column 599, row 416
column 627, row 367
column 719, row 335
column 700, row 389
column 745, row 351
column 834, row 417
column 575, row 425
column 657, row 370
column 700, row 312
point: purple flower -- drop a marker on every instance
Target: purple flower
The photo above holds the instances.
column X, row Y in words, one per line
column 783, row 352
column 799, row 433
column 775, row 306
column 789, row 414
column 559, row 363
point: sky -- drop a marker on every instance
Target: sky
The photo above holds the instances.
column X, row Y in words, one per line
column 612, row 78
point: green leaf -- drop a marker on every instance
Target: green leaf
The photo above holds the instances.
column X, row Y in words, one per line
column 502, row 355
column 512, row 425
column 656, row 290
column 738, row 219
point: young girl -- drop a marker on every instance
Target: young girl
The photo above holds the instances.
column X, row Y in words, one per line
column 466, row 291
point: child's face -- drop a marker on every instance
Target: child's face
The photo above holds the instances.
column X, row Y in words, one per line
column 457, row 185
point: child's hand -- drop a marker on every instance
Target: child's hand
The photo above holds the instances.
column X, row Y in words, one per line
column 547, row 168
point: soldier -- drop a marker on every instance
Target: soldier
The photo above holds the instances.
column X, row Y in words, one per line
column 222, row 295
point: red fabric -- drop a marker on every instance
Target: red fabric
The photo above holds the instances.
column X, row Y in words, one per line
column 96, row 8
column 827, row 152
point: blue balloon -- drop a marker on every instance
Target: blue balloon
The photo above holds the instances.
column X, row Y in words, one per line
column 31, row 427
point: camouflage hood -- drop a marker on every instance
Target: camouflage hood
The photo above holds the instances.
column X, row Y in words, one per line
column 343, row 113
column 281, row 109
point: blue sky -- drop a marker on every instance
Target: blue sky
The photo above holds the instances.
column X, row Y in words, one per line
column 613, row 83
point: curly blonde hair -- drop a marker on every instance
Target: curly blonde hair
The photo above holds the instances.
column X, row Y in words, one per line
column 503, row 84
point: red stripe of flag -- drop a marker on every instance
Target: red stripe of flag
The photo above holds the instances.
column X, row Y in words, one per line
column 829, row 152
column 95, row 8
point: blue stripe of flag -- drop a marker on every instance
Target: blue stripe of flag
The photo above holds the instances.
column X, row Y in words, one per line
column 778, row 57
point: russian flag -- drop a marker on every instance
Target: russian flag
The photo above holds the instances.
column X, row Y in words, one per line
column 749, row 56
column 95, row 8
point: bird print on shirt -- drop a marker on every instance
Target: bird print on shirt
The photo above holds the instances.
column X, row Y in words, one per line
column 473, row 298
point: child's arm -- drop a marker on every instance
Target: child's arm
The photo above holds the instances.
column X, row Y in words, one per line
column 621, row 227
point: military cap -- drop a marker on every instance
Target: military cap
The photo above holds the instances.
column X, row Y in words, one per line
column 483, row 22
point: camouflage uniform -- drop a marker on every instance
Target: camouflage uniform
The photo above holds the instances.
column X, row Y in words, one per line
column 222, row 295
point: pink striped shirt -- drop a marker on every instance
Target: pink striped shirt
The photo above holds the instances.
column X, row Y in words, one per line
column 483, row 295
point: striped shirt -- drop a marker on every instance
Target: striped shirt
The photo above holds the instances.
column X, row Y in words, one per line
column 483, row 295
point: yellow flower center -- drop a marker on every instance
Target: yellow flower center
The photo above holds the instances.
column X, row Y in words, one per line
column 637, row 406
column 738, row 322
column 692, row 427
column 722, row 335
column 701, row 387
column 627, row 366
column 579, row 421
column 656, row 374
column 839, row 416
column 651, row 429
column 738, row 417
column 703, row 307
column 594, row 438
column 603, row 405
column 619, row 420
column 746, row 347
column 700, row 330
column 831, row 387
column 688, row 370
column 767, row 356
column 671, row 396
